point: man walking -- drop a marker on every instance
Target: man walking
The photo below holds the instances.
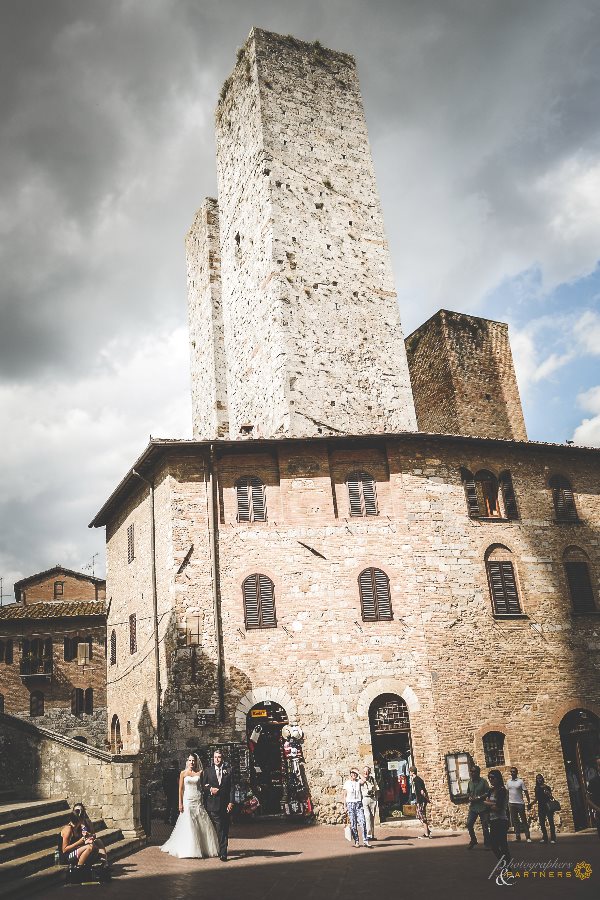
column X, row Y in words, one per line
column 170, row 783
column 421, row 800
column 218, row 788
column 477, row 789
column 355, row 809
column 516, row 804
column 368, row 788
column 593, row 795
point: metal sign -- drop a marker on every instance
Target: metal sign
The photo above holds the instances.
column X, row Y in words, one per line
column 202, row 717
column 258, row 713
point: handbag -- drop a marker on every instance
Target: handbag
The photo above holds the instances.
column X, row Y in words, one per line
column 553, row 806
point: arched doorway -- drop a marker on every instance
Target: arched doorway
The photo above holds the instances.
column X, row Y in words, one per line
column 276, row 764
column 116, row 744
column 580, row 739
column 392, row 755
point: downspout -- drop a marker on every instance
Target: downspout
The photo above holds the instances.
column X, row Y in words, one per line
column 154, row 597
column 213, row 528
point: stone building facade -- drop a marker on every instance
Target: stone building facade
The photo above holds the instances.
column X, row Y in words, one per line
column 53, row 653
column 403, row 595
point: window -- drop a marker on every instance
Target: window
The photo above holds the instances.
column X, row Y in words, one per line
column 132, row 633
column 1, row 703
column 489, row 497
column 564, row 501
column 577, row 571
column 36, row 704
column 58, row 589
column 458, row 770
column 375, row 601
column 502, row 582
column 70, row 648
column 84, row 651
column 193, row 627
column 113, row 648
column 89, row 701
column 130, row 544
column 77, row 701
column 251, row 500
column 259, row 602
column 362, row 495
column 493, row 749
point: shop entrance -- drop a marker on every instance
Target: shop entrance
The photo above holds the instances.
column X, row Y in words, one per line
column 392, row 755
column 580, row 739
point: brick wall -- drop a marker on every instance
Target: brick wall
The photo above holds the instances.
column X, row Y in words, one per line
column 73, row 588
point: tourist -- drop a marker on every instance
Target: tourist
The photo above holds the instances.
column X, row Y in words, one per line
column 477, row 790
column 170, row 783
column 497, row 804
column 516, row 804
column 369, row 800
column 421, row 800
column 593, row 795
column 354, row 805
column 77, row 847
column 543, row 798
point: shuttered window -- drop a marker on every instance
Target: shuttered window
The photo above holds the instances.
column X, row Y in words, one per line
column 375, row 601
column 8, row 653
column 113, row 648
column 362, row 494
column 77, row 702
column 251, row 500
column 503, row 588
column 470, row 493
column 481, row 492
column 564, row 499
column 580, row 586
column 259, row 602
column 89, row 701
column 132, row 633
column 130, row 543
column 508, row 496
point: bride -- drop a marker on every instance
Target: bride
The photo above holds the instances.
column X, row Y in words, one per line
column 194, row 834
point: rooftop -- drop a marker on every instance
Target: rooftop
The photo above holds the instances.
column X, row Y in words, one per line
column 53, row 609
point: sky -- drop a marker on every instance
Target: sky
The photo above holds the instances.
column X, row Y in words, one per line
column 484, row 123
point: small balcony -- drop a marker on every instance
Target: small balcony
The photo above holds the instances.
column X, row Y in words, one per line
column 36, row 667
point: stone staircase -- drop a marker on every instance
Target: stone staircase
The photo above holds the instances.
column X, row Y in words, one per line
column 28, row 836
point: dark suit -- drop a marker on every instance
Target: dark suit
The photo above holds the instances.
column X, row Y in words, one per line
column 170, row 782
column 216, row 804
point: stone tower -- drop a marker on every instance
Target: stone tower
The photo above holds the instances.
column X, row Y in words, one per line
column 463, row 377
column 312, row 339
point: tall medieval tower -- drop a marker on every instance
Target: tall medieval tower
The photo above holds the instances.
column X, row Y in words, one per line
column 294, row 320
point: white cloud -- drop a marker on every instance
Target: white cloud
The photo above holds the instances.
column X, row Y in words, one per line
column 588, row 433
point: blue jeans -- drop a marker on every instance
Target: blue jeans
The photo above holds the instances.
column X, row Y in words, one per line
column 484, row 819
column 356, row 815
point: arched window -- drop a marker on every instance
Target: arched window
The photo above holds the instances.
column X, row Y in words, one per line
column 251, row 499
column 89, row 701
column 502, row 581
column 77, row 702
column 564, row 500
column 259, row 602
column 1, row 703
column 362, row 494
column 36, row 703
column 577, row 571
column 493, row 749
column 375, row 600
column 132, row 633
column 113, row 648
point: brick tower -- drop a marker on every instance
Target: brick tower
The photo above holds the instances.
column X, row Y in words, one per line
column 312, row 339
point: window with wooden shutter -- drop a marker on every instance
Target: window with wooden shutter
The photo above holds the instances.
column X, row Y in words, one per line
column 493, row 749
column 77, row 701
column 8, row 652
column 375, row 600
column 503, row 588
column 486, row 486
column 564, row 499
column 251, row 499
column 113, row 648
column 470, row 493
column 132, row 633
column 130, row 543
column 259, row 602
column 89, row 701
column 580, row 586
column 362, row 494
column 509, row 500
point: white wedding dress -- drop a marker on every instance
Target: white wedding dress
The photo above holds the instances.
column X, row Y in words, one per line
column 194, row 835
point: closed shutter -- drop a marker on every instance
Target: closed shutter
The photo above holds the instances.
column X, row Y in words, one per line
column 471, row 494
column 130, row 543
column 375, row 597
column 259, row 512
column 369, row 495
column 113, row 648
column 259, row 602
column 508, row 496
column 580, row 586
column 8, row 653
column 354, row 496
column 243, row 500
column 564, row 503
column 89, row 701
column 77, row 701
column 266, row 602
column 251, row 609
column 362, row 494
column 67, row 650
column 89, row 643
column 504, row 588
column 251, row 500
column 132, row 633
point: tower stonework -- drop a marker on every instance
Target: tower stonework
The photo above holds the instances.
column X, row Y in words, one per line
column 313, row 340
column 207, row 348
column 463, row 377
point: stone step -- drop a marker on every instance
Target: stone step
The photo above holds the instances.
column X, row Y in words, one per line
column 10, row 831
column 13, row 812
column 18, row 845
column 44, row 858
column 14, row 888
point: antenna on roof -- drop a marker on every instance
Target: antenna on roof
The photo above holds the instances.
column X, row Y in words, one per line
column 91, row 565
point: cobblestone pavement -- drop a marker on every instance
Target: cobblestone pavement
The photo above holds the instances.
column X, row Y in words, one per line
column 273, row 860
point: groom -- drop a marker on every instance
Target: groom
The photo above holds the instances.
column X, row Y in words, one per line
column 218, row 790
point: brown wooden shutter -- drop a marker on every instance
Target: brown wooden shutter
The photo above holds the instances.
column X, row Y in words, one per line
column 251, row 608
column 243, row 500
column 266, row 602
column 508, row 496
column 67, row 649
column 89, row 701
column 77, row 701
column 503, row 587
column 369, row 494
column 471, row 494
column 375, row 601
column 132, row 633
column 354, row 497
column 8, row 653
column 113, row 648
column 564, row 503
column 580, row 586
column 382, row 594
column 130, row 543
column 259, row 509
column 89, row 643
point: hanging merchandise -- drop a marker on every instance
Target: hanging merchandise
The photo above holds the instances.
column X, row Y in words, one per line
column 256, row 734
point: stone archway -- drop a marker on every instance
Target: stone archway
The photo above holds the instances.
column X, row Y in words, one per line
column 260, row 695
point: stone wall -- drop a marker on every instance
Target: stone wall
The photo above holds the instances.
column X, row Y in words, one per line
column 463, row 377
column 43, row 765
column 461, row 670
column 312, row 328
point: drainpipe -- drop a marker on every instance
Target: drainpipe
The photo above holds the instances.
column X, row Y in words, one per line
column 154, row 597
column 213, row 528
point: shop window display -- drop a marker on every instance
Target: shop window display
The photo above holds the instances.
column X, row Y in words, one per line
column 392, row 755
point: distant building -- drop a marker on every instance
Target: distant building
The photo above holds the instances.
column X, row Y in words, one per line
column 53, row 653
